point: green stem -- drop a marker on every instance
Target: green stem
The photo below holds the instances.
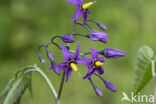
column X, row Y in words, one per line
column 60, row 89
column 46, row 79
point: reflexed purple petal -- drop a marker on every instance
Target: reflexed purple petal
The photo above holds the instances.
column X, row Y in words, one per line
column 54, row 67
column 101, row 59
column 98, row 91
column 76, row 2
column 66, row 54
column 62, row 65
column 68, row 73
column 100, row 70
column 76, row 55
column 86, row 61
column 77, row 14
column 99, row 36
column 110, row 86
column 85, row 16
column 90, row 73
column 67, row 39
column 94, row 53
column 113, row 53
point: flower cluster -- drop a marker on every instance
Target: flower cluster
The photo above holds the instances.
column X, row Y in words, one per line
column 94, row 63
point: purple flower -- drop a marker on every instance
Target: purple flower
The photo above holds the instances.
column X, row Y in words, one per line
column 99, row 36
column 94, row 63
column 112, row 53
column 67, row 38
column 51, row 58
column 82, row 9
column 71, row 61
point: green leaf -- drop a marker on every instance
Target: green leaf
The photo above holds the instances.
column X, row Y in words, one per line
column 17, row 86
column 16, row 91
column 143, row 72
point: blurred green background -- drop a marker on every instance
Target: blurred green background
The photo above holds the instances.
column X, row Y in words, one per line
column 24, row 24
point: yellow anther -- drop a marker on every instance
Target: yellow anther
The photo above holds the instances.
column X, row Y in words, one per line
column 74, row 67
column 87, row 5
column 98, row 63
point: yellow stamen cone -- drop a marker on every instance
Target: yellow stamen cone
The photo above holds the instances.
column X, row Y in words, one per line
column 87, row 5
column 98, row 63
column 74, row 67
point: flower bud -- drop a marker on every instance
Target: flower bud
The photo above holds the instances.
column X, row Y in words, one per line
column 101, row 25
column 67, row 39
column 42, row 60
column 110, row 86
column 99, row 36
column 112, row 53
column 49, row 54
column 98, row 91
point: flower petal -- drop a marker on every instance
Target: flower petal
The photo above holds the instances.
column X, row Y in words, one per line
column 100, row 70
column 101, row 59
column 62, row 65
column 54, row 67
column 76, row 55
column 75, row 2
column 86, row 61
column 77, row 14
column 94, row 53
column 90, row 73
column 66, row 54
column 85, row 16
column 68, row 73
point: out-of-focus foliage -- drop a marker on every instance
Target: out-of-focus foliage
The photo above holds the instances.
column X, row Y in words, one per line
column 24, row 24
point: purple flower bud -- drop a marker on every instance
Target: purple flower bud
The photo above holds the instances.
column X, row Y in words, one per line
column 98, row 91
column 112, row 53
column 110, row 86
column 49, row 54
column 42, row 60
column 101, row 25
column 67, row 39
column 99, row 36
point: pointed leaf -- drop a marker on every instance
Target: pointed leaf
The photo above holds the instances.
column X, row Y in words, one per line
column 143, row 72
